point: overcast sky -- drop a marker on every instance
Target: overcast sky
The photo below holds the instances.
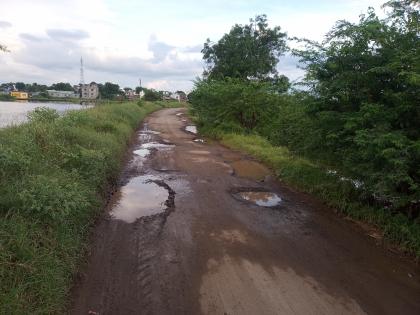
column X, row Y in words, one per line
column 158, row 41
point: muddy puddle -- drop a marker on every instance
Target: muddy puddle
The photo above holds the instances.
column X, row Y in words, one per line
column 250, row 169
column 260, row 198
column 140, row 197
column 191, row 129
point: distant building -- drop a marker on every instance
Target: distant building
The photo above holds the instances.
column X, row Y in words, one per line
column 62, row 94
column 89, row 91
column 19, row 95
column 130, row 94
column 167, row 96
column 180, row 96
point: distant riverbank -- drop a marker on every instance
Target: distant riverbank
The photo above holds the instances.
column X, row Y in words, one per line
column 14, row 112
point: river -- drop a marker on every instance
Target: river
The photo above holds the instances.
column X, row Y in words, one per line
column 13, row 113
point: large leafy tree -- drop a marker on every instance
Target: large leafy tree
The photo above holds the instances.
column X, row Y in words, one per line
column 61, row 86
column 365, row 78
column 248, row 51
column 109, row 90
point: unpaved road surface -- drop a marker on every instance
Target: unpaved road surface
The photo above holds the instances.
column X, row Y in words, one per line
column 178, row 239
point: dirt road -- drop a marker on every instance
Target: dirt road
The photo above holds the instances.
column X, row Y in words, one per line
column 184, row 235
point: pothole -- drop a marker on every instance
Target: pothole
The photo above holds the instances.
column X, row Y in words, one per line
column 191, row 129
column 142, row 152
column 142, row 196
column 149, row 132
column 258, row 197
column 250, row 169
column 156, row 145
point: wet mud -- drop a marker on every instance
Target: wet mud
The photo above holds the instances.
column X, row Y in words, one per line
column 250, row 169
column 229, row 241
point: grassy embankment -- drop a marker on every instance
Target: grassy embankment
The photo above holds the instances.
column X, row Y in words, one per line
column 340, row 194
column 54, row 175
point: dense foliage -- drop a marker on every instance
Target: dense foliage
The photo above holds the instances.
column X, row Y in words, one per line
column 359, row 114
column 109, row 90
column 54, row 172
column 247, row 52
column 365, row 83
column 152, row 95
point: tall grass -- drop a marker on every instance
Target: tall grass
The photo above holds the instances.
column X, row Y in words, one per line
column 54, row 173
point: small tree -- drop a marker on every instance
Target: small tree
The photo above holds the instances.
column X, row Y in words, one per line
column 20, row 86
column 248, row 52
column 61, row 86
column 109, row 90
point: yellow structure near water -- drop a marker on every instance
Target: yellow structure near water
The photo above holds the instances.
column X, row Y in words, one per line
column 19, row 95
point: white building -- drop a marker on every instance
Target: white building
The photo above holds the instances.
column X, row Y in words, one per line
column 62, row 94
column 90, row 91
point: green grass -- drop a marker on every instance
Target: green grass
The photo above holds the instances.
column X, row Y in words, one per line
column 54, row 175
column 342, row 195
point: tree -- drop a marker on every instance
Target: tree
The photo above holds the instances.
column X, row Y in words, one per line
column 109, row 90
column 61, row 86
column 35, row 87
column 3, row 48
column 20, row 86
column 151, row 95
column 365, row 79
column 248, row 51
column 138, row 89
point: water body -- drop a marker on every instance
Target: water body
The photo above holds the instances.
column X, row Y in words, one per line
column 14, row 113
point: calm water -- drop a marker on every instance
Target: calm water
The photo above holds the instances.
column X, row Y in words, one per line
column 12, row 113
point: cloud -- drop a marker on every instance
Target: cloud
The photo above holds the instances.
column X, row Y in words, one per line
column 159, row 49
column 288, row 66
column 30, row 37
column 62, row 34
column 193, row 49
column 5, row 24
column 59, row 58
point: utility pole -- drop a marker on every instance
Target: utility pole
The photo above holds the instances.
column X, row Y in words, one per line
column 82, row 77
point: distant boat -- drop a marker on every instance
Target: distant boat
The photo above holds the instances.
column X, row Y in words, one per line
column 19, row 95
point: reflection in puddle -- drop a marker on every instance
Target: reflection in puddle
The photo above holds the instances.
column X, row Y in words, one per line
column 149, row 132
column 139, row 198
column 250, row 169
column 260, row 198
column 199, row 140
column 156, row 145
column 191, row 128
column 142, row 152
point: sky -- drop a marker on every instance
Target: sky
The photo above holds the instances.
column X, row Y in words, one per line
column 157, row 41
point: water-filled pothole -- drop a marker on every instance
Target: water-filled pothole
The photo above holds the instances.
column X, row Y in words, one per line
column 142, row 152
column 156, row 145
column 140, row 197
column 258, row 197
column 191, row 129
